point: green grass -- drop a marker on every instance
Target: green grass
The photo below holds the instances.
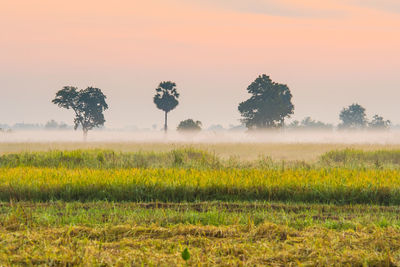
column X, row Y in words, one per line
column 298, row 216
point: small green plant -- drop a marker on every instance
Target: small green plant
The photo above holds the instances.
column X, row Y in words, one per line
column 186, row 255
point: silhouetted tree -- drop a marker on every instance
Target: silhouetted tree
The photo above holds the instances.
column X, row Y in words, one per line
column 353, row 117
column 88, row 105
column 379, row 122
column 189, row 125
column 166, row 99
column 268, row 106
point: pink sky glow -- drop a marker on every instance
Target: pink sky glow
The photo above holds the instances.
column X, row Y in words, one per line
column 330, row 53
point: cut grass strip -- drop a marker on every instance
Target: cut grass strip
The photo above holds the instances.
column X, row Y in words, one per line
column 266, row 244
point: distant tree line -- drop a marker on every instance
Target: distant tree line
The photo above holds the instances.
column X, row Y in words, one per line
column 354, row 117
column 53, row 125
column 309, row 123
column 50, row 125
column 269, row 105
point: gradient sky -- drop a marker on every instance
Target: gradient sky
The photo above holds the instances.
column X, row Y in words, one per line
column 330, row 53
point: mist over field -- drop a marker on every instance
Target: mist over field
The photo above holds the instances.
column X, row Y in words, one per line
column 278, row 136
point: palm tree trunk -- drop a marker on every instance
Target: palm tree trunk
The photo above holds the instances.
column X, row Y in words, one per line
column 166, row 122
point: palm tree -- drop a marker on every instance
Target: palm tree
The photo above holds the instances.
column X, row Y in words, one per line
column 166, row 99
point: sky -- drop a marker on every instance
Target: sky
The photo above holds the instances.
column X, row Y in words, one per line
column 330, row 53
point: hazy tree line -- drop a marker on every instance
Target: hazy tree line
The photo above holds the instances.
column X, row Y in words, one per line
column 50, row 125
column 269, row 105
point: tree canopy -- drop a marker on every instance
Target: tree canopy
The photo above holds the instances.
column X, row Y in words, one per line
column 189, row 125
column 88, row 105
column 270, row 103
column 378, row 122
column 166, row 99
column 353, row 117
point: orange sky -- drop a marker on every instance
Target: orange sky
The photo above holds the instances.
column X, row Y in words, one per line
column 330, row 53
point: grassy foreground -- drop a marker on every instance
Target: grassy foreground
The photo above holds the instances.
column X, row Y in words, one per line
column 226, row 234
column 106, row 208
column 267, row 244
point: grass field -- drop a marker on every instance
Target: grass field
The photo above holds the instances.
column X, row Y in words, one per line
column 135, row 206
column 244, row 151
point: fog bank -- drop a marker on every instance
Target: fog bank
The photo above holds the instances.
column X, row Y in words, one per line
column 281, row 136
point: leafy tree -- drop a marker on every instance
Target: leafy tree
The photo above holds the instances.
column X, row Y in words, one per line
column 189, row 125
column 166, row 99
column 353, row 117
column 379, row 122
column 88, row 105
column 268, row 106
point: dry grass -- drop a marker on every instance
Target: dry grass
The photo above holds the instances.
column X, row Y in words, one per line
column 266, row 244
column 155, row 234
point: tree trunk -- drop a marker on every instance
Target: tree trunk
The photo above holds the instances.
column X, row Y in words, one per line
column 85, row 133
column 166, row 122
